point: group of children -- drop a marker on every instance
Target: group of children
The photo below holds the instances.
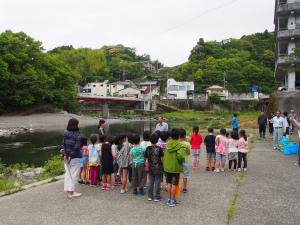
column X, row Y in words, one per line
column 143, row 163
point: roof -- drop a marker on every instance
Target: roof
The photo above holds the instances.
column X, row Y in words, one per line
column 148, row 83
column 216, row 87
column 147, row 89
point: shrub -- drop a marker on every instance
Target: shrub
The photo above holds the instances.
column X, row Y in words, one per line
column 53, row 167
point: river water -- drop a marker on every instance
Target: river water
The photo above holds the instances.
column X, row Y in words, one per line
column 36, row 148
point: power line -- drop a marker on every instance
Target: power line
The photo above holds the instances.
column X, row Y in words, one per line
column 197, row 17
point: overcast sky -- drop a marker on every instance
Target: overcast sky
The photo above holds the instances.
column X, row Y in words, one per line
column 165, row 29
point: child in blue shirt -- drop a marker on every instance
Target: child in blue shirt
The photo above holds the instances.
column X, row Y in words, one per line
column 138, row 165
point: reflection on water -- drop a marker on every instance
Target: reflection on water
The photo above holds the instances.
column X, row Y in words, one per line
column 36, row 148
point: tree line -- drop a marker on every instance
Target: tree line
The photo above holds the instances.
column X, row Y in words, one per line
column 31, row 76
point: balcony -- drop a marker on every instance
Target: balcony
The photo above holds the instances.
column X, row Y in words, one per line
column 288, row 34
column 287, row 8
column 286, row 59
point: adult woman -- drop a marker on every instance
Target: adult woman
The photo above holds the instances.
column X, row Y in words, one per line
column 101, row 127
column 71, row 146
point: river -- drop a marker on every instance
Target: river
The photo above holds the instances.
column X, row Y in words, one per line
column 36, row 148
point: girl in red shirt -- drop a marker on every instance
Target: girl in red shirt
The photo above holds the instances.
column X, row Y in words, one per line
column 196, row 141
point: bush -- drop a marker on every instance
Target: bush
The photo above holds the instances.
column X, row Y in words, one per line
column 9, row 184
column 216, row 124
column 53, row 167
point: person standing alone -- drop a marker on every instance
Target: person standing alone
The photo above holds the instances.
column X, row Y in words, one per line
column 235, row 123
column 262, row 124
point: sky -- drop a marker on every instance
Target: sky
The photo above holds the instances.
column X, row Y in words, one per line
column 167, row 30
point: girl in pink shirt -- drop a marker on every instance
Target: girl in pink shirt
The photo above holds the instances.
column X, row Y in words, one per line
column 242, row 146
column 196, row 141
column 221, row 150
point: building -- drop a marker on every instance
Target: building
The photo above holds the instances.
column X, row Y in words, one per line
column 287, row 33
column 97, row 89
column 129, row 93
column 221, row 91
column 150, row 67
column 180, row 90
column 151, row 88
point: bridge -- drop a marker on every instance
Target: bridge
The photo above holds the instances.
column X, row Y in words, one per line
column 93, row 103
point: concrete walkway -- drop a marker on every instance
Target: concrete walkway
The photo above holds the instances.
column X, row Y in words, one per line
column 269, row 195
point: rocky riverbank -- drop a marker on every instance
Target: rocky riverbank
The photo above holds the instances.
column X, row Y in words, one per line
column 12, row 125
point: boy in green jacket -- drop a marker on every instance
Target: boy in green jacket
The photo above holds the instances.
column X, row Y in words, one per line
column 173, row 160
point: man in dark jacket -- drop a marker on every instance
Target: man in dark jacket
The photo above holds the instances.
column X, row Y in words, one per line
column 262, row 123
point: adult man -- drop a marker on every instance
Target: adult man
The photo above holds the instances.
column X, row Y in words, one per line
column 235, row 124
column 296, row 124
column 161, row 125
column 262, row 123
column 279, row 127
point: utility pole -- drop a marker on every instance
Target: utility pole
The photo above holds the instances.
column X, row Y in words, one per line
column 224, row 79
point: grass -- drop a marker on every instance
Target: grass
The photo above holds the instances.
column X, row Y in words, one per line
column 231, row 211
column 10, row 184
column 53, row 167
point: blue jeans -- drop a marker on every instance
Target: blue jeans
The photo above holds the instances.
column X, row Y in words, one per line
column 154, row 186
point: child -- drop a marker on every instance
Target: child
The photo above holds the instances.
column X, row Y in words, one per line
column 242, row 146
column 173, row 160
column 154, row 155
column 107, row 161
column 221, row 150
column 196, row 141
column 115, row 152
column 232, row 150
column 185, row 165
column 163, row 136
column 84, row 169
column 123, row 160
column 94, row 160
column 210, row 141
column 138, row 165
column 146, row 143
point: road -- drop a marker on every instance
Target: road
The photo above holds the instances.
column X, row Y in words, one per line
column 268, row 195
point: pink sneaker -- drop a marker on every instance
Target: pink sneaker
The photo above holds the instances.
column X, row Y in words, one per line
column 103, row 187
column 222, row 170
column 217, row 170
column 108, row 187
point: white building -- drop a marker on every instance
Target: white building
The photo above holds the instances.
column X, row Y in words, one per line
column 97, row 89
column 221, row 91
column 151, row 88
column 179, row 90
column 287, row 36
column 129, row 92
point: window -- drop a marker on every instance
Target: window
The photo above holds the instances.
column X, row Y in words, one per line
column 173, row 87
column 182, row 88
column 101, row 85
column 107, row 85
column 94, row 85
column 189, row 87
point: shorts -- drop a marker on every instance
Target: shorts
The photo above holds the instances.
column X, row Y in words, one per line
column 220, row 157
column 172, row 178
column 195, row 152
column 186, row 170
column 84, row 162
column 211, row 156
column 232, row 156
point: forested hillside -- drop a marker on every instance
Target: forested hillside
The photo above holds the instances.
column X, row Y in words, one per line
column 30, row 76
column 245, row 62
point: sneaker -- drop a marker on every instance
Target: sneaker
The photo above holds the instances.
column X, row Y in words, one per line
column 150, row 199
column 217, row 170
column 207, row 168
column 184, row 190
column 213, row 169
column 239, row 169
column 172, row 203
column 222, row 170
column 103, row 187
column 297, row 164
column 122, row 191
column 157, row 199
column 80, row 182
column 135, row 193
column 108, row 188
column 168, row 202
column 245, row 169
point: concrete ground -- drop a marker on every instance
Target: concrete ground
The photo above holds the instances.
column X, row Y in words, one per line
column 269, row 195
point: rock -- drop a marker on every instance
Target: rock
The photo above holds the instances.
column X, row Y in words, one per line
column 17, row 174
column 28, row 174
column 39, row 170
